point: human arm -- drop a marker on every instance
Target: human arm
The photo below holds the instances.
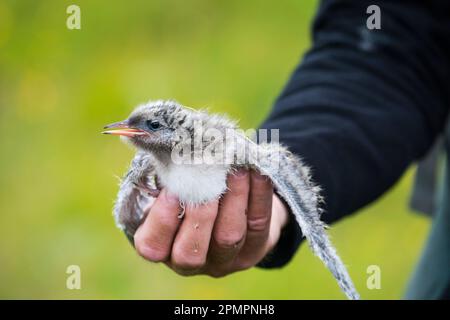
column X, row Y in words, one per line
column 363, row 105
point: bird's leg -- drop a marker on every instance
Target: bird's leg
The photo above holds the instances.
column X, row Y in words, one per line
column 183, row 210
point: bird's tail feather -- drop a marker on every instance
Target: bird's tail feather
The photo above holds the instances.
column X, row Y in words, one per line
column 303, row 198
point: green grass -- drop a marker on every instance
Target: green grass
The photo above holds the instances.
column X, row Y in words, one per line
column 57, row 173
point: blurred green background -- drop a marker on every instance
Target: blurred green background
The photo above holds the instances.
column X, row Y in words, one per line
column 58, row 87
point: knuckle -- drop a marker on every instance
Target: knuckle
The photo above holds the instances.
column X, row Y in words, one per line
column 262, row 199
column 244, row 264
column 183, row 261
column 150, row 252
column 260, row 223
column 229, row 239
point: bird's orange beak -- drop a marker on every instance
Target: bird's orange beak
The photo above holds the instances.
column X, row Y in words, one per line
column 123, row 129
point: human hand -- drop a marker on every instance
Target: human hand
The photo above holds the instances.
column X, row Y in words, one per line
column 217, row 238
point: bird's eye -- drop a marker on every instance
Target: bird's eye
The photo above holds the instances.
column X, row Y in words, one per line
column 153, row 125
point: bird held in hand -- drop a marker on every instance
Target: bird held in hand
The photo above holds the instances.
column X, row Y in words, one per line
column 190, row 153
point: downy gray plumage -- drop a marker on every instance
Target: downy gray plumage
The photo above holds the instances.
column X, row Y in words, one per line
column 159, row 128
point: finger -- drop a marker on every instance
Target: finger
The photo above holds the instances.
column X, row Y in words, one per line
column 258, row 220
column 192, row 240
column 231, row 223
column 153, row 240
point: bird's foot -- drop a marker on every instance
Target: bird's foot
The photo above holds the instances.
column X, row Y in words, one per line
column 152, row 192
column 183, row 211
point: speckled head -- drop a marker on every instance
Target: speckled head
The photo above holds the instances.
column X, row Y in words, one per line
column 152, row 126
column 160, row 125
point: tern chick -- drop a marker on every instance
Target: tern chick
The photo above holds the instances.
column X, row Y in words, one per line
column 190, row 153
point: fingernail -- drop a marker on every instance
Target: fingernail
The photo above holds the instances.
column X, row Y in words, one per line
column 170, row 197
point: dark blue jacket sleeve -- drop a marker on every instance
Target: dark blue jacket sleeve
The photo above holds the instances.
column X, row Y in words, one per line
column 364, row 104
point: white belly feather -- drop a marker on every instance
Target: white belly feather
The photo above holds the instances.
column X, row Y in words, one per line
column 194, row 184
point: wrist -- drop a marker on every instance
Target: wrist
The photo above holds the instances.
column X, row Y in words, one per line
column 280, row 212
column 285, row 236
column 279, row 220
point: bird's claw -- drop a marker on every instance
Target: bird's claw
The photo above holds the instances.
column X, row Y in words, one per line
column 147, row 190
column 183, row 211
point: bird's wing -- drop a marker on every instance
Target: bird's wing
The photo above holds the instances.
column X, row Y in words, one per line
column 131, row 199
column 292, row 181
